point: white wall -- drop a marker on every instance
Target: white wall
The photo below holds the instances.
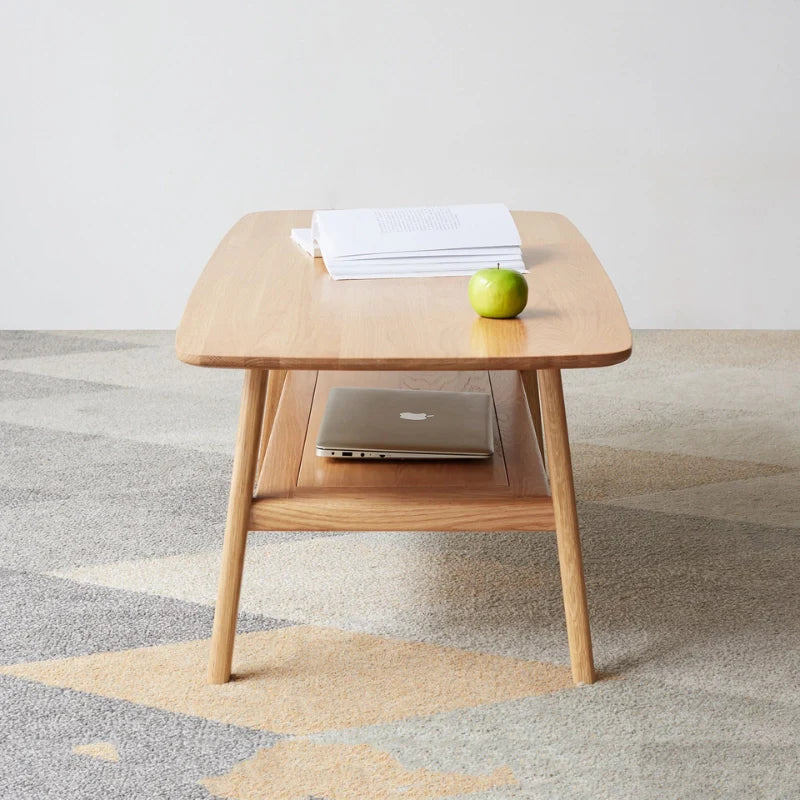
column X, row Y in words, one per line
column 133, row 134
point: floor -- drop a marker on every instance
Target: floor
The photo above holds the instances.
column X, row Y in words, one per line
column 389, row 665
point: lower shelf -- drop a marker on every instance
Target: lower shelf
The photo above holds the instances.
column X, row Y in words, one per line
column 297, row 490
column 338, row 511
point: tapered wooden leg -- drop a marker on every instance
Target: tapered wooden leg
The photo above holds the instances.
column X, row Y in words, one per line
column 569, row 542
column 236, row 528
column 275, row 382
column 531, row 384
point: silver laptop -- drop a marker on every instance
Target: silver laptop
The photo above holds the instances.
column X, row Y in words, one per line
column 403, row 423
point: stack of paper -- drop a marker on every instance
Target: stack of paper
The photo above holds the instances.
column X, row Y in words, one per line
column 413, row 242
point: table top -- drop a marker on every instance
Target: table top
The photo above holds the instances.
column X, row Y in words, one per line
column 262, row 302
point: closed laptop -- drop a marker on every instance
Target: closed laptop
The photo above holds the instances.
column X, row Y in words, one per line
column 404, row 423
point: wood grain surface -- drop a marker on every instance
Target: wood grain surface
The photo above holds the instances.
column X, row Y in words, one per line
column 251, row 413
column 297, row 490
column 570, row 558
column 262, row 302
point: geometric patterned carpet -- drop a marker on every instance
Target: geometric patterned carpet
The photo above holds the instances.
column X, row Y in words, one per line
column 377, row 666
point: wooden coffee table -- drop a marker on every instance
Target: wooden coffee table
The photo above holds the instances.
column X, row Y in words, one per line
column 263, row 305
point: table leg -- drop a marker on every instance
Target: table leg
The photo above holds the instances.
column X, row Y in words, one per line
column 569, row 542
column 531, row 384
column 277, row 377
column 251, row 414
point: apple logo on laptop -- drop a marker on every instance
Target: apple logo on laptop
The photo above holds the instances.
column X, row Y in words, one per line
column 413, row 415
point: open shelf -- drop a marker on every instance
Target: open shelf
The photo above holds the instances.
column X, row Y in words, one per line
column 297, row 490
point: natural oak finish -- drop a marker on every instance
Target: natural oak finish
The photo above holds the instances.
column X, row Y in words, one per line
column 569, row 543
column 298, row 490
column 275, row 383
column 397, row 511
column 530, row 381
column 263, row 302
column 233, row 546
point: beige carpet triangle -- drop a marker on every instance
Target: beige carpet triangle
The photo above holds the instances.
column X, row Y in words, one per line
column 304, row 679
column 301, row 768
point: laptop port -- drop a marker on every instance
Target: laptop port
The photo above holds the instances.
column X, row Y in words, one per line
column 346, row 454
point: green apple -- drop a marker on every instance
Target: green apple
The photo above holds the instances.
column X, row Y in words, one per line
column 498, row 293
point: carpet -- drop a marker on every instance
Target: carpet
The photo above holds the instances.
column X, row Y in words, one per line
column 372, row 666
